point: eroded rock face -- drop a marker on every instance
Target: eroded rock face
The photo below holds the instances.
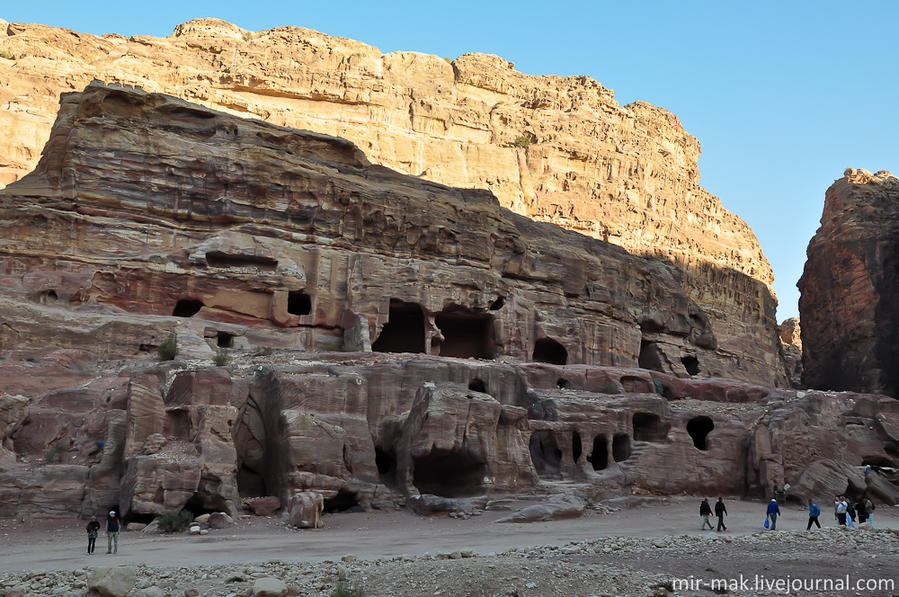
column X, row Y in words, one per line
column 791, row 350
column 557, row 149
column 848, row 306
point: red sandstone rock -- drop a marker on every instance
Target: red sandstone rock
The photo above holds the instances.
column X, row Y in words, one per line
column 848, row 306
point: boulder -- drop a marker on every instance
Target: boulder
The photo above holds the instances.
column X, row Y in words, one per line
column 565, row 506
column 264, row 506
column 305, row 510
column 269, row 587
column 112, row 582
column 220, row 520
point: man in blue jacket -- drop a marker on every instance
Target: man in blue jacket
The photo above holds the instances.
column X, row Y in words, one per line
column 773, row 511
column 813, row 513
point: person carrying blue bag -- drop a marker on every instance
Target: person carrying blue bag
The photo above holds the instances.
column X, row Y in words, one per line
column 773, row 511
column 813, row 513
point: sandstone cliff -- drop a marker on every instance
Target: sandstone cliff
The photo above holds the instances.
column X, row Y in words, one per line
column 557, row 149
column 149, row 217
column 848, row 302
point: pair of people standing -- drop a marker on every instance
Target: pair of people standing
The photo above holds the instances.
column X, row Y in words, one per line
column 720, row 511
column 112, row 533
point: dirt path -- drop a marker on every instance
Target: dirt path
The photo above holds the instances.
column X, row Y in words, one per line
column 60, row 545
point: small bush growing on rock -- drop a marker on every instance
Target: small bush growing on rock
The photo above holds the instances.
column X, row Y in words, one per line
column 175, row 521
column 54, row 454
column 610, row 388
column 168, row 349
column 221, row 357
column 522, row 141
column 659, row 387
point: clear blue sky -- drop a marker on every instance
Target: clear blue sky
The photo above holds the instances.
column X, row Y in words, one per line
column 783, row 96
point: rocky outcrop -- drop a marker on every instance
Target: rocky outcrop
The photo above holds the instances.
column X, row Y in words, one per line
column 791, row 350
column 504, row 355
column 848, row 306
column 557, row 149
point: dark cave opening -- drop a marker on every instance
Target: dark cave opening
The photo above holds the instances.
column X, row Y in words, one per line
column 299, row 303
column 649, row 427
column 621, row 447
column 404, row 331
column 250, row 483
column 187, row 308
column 691, row 364
column 497, row 304
column 449, row 474
column 545, row 453
column 344, row 501
column 547, row 350
column 477, row 385
column 224, row 340
column 466, row 333
column 599, row 458
column 699, row 428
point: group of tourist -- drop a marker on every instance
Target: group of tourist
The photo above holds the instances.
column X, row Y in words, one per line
column 845, row 513
column 112, row 533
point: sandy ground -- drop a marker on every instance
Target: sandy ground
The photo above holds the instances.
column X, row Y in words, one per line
column 665, row 542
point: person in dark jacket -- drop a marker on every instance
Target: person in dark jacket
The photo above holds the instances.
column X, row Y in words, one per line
column 861, row 512
column 93, row 529
column 704, row 512
column 773, row 511
column 112, row 533
column 813, row 513
column 720, row 512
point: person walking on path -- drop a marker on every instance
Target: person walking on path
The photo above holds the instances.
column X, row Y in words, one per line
column 704, row 512
column 839, row 510
column 112, row 533
column 773, row 511
column 850, row 513
column 93, row 529
column 813, row 513
column 869, row 507
column 861, row 511
column 720, row 512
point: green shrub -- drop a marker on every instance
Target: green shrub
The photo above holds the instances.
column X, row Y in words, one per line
column 168, row 349
column 175, row 521
column 659, row 386
column 54, row 454
column 221, row 357
column 345, row 589
column 263, row 351
column 610, row 388
column 247, row 35
column 523, row 141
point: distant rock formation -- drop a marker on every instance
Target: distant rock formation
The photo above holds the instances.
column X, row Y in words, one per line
column 557, row 149
column 848, row 303
column 791, row 350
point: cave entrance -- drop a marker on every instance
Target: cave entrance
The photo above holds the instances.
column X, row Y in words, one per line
column 250, row 483
column 385, row 460
column 621, row 447
column 699, row 428
column 477, row 385
column 187, row 307
column 299, row 303
column 404, row 331
column 650, row 356
column 576, row 447
column 449, row 474
column 599, row 458
column 224, row 340
column 466, row 333
column 691, row 364
column 344, row 501
column 200, row 504
column 649, row 427
column 547, row 350
column 545, row 453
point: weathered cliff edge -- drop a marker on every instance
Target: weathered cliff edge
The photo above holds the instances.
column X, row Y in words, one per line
column 848, row 303
column 149, row 217
column 557, row 149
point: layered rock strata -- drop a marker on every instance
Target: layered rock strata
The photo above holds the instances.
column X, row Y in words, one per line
column 557, row 149
column 848, row 305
